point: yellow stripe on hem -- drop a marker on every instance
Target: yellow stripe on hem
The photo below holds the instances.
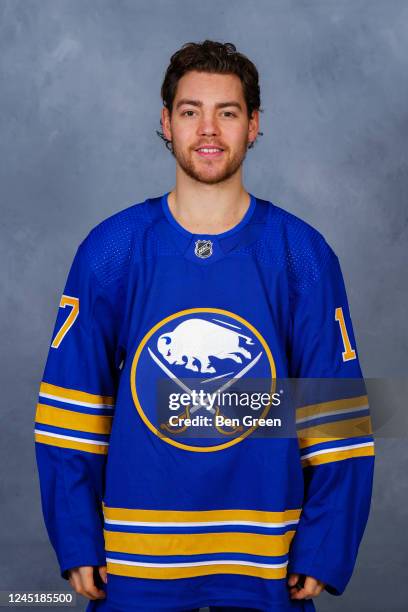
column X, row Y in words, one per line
column 173, row 573
column 166, row 544
column 98, row 449
column 80, row 396
column 185, row 516
column 60, row 417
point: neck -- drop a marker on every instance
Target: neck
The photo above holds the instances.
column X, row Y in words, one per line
column 208, row 209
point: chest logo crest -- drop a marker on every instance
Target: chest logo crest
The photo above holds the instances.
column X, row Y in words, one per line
column 193, row 375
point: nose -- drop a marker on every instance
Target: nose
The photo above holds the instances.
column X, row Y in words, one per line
column 208, row 125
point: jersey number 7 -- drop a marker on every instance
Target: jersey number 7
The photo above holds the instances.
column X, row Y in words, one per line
column 66, row 300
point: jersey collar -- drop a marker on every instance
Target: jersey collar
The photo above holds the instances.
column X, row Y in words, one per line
column 204, row 249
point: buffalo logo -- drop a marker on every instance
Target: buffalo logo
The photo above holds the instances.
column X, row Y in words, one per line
column 193, row 342
column 191, row 351
column 203, row 248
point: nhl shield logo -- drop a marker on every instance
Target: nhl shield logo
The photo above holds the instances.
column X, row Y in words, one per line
column 203, row 248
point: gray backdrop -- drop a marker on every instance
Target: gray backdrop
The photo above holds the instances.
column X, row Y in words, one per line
column 79, row 105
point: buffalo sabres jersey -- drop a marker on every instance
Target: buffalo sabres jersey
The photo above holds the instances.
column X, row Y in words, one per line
column 191, row 433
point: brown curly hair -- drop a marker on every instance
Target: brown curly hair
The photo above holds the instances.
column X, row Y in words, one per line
column 213, row 57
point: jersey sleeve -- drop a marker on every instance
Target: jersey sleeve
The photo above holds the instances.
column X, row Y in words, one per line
column 334, row 433
column 74, row 416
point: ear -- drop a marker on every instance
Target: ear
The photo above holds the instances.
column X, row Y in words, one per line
column 166, row 123
column 253, row 127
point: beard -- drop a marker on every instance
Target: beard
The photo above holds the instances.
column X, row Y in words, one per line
column 209, row 172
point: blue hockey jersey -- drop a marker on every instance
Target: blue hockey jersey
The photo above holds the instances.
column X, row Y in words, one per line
column 212, row 511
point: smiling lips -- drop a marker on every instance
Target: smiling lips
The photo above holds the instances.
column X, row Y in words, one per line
column 210, row 152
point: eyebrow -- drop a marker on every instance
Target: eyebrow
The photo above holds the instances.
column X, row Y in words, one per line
column 199, row 103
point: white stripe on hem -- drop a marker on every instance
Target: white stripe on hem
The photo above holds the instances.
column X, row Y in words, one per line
column 199, row 563
column 200, row 523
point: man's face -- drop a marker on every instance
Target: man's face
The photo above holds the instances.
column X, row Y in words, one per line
column 209, row 112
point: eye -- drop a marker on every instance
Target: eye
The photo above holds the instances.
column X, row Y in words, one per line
column 230, row 113
column 188, row 111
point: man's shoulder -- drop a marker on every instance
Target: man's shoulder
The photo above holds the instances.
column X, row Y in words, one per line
column 110, row 246
column 301, row 248
column 295, row 229
column 122, row 225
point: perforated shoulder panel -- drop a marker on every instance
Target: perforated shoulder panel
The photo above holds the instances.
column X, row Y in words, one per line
column 289, row 242
column 111, row 244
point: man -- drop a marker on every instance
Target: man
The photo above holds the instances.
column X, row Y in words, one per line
column 154, row 499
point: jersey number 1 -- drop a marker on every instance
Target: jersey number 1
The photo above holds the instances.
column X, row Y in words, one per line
column 348, row 352
column 66, row 300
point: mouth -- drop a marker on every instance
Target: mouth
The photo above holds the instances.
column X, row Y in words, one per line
column 210, row 152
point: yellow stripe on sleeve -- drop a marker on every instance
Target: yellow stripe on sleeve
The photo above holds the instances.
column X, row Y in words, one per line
column 79, row 396
column 59, row 417
column 332, row 406
column 99, row 449
column 335, row 430
column 338, row 455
